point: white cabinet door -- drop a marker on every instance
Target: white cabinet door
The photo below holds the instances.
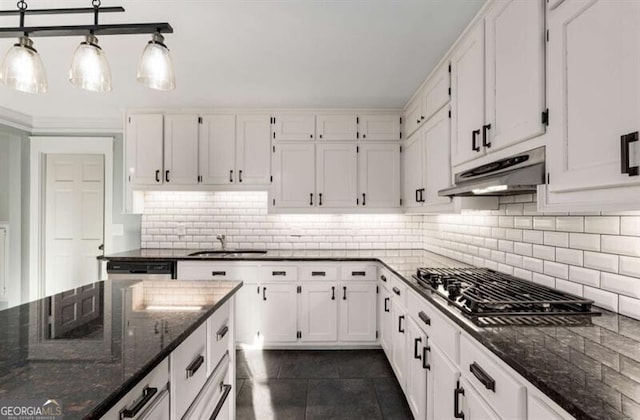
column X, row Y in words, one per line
column 293, row 175
column 416, row 390
column 413, row 179
column 437, row 158
column 337, row 127
column 181, row 149
column 386, row 333
column 279, row 312
column 379, row 127
column 357, row 312
column 467, row 100
column 336, row 175
column 319, row 312
column 294, row 127
column 441, row 383
column 247, row 313
column 437, row 91
column 473, row 406
column 379, row 175
column 159, row 408
column 399, row 354
column 593, row 92
column 145, row 149
column 253, row 149
column 413, row 115
column 217, row 149
column 515, row 72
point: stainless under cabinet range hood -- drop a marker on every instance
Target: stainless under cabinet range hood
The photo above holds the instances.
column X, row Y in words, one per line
column 518, row 174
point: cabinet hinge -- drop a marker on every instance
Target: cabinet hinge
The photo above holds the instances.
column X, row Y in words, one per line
column 548, row 178
column 449, row 113
column 199, row 120
column 299, row 289
column 449, row 68
column 129, row 120
column 401, row 134
column 377, row 333
column 274, row 135
column 258, row 289
column 274, row 120
column 545, row 117
column 449, row 91
column 357, row 134
column 274, row 149
column 357, row 149
column 299, row 334
column 400, row 149
column 401, row 202
column 357, row 202
column 377, row 290
column 400, row 120
column 271, row 178
column 357, row 120
column 547, row 35
column 274, row 201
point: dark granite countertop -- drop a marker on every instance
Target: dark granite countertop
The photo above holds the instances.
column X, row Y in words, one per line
column 593, row 372
column 89, row 362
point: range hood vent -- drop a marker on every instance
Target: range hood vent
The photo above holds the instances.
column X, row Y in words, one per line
column 518, row 174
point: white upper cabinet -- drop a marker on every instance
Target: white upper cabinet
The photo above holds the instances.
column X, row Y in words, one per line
column 336, row 175
column 341, row 127
column 181, row 149
column 413, row 116
column 594, row 99
column 412, row 168
column 217, row 149
column 467, row 86
column 294, row 127
column 514, row 72
column 253, row 147
column 293, row 175
column 145, row 149
column 436, row 158
column 379, row 175
column 437, row 91
column 379, row 127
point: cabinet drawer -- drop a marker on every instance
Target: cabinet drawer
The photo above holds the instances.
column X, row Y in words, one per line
column 398, row 289
column 359, row 272
column 385, row 278
column 215, row 393
column 318, row 273
column 219, row 332
column 204, row 270
column 188, row 371
column 153, row 385
column 279, row 272
column 497, row 387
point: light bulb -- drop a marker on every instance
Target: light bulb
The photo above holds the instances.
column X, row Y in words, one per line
column 89, row 68
column 22, row 68
column 156, row 68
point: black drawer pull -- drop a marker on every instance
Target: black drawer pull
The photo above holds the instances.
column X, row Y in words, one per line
column 364, row 199
column 485, row 142
column 456, row 404
column 218, row 273
column 416, row 354
column 157, row 176
column 625, row 140
column 278, row 273
column 344, row 292
column 333, row 293
column 231, row 175
column 424, row 317
column 240, row 175
column 318, row 273
column 320, row 195
column 417, row 197
column 311, row 199
column 264, row 293
column 147, row 395
column 425, row 350
column 386, row 308
column 396, row 291
column 221, row 333
column 474, row 147
column 483, row 376
column 194, row 366
column 166, row 176
column 383, row 278
column 400, row 328
column 226, row 389
column 358, row 273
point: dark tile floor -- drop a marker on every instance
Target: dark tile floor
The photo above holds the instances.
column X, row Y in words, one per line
column 317, row 384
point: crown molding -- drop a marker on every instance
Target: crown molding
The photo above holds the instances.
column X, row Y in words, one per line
column 67, row 125
column 16, row 119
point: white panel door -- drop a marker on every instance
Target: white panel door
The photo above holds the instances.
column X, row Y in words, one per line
column 145, row 148
column 379, row 175
column 399, row 354
column 217, row 149
column 74, row 220
column 247, row 313
column 473, row 406
column 515, row 72
column 417, row 370
column 437, row 158
column 253, row 149
column 357, row 312
column 386, row 333
column 319, row 312
column 441, row 382
column 181, row 149
column 294, row 175
column 336, row 175
column 294, row 127
column 413, row 178
column 383, row 127
column 279, row 312
column 413, row 115
column 467, row 100
column 337, row 127
column 593, row 93
column 437, row 91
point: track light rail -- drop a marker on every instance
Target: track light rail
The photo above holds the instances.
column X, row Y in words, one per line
column 68, row 11
column 75, row 30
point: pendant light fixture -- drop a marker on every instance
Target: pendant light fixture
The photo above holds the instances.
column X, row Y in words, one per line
column 22, row 69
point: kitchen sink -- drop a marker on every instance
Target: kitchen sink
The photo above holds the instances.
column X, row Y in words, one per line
column 228, row 253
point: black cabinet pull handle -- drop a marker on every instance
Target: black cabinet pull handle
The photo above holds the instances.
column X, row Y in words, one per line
column 396, row 291
column 157, row 175
column 320, row 196
column 333, row 293
column 218, row 273
column 344, row 292
column 418, row 121
column 424, row 317
column 358, row 273
column 194, row 366
column 422, row 118
column 625, row 140
column 240, row 175
column 364, row 199
column 264, row 293
column 226, row 390
column 416, row 354
column 456, row 404
column 485, row 141
column 278, row 273
column 310, row 136
column 166, row 176
column 386, row 308
column 483, row 376
column 474, row 147
column 400, row 328
column 417, row 198
column 318, row 273
column 221, row 333
column 421, row 195
column 311, row 199
column 425, row 365
column 320, row 135
column 364, row 136
column 383, row 278
column 231, row 175
column 147, row 395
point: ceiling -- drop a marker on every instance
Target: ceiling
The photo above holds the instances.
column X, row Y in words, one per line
column 258, row 53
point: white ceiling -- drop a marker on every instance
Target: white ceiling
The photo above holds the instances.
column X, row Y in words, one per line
column 267, row 53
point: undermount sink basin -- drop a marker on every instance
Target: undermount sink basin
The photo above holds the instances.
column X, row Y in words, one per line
column 228, row 253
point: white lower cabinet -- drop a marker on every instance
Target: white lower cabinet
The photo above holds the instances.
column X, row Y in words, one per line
column 385, row 319
column 212, row 401
column 442, row 381
column 399, row 352
column 471, row 405
column 188, row 371
column 417, row 369
column 357, row 311
column 318, row 312
column 278, row 320
column 159, row 409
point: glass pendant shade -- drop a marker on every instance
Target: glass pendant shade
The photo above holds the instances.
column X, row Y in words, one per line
column 89, row 67
column 156, row 68
column 22, row 68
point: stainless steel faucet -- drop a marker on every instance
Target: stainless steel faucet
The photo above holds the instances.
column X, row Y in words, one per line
column 223, row 241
